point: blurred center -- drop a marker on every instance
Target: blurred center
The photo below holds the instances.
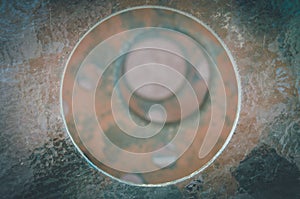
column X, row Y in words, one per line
column 152, row 81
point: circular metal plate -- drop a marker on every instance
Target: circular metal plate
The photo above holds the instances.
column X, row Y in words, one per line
column 150, row 96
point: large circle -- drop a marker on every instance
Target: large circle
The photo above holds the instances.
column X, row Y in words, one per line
column 150, row 96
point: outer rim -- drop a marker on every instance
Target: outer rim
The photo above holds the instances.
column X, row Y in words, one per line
column 235, row 68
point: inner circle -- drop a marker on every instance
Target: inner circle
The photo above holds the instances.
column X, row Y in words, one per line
column 154, row 73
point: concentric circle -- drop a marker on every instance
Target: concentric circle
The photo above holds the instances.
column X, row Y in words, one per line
column 150, row 96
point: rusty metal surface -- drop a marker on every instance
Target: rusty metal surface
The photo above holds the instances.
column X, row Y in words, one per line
column 38, row 160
